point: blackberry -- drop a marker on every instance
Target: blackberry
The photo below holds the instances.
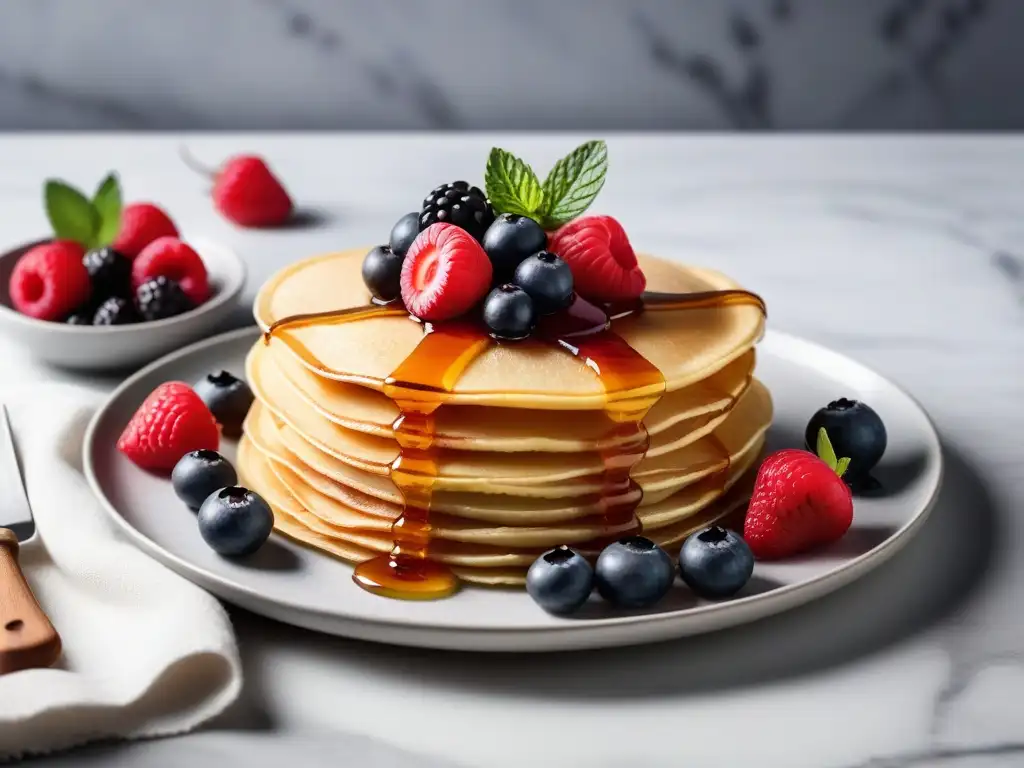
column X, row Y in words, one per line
column 161, row 298
column 80, row 317
column 109, row 272
column 459, row 204
column 115, row 311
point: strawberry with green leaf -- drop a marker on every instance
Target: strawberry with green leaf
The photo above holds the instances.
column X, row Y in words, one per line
column 799, row 502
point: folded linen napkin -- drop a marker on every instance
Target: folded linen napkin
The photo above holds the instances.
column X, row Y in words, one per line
column 146, row 653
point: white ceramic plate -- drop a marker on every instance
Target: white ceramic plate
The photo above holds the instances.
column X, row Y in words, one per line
column 296, row 585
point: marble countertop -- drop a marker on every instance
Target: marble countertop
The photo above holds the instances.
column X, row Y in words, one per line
column 906, row 253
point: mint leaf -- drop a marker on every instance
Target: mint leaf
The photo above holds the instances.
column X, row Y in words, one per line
column 512, row 186
column 71, row 214
column 842, row 466
column 573, row 183
column 107, row 203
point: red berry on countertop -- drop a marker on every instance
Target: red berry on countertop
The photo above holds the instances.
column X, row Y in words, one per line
column 604, row 267
column 799, row 502
column 169, row 257
column 247, row 193
column 141, row 224
column 50, row 281
column 445, row 273
column 171, row 422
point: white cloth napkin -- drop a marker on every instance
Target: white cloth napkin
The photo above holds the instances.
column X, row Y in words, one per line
column 146, row 653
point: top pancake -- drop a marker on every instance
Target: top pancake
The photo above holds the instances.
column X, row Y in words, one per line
column 685, row 345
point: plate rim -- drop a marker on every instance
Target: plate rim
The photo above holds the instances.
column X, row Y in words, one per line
column 775, row 601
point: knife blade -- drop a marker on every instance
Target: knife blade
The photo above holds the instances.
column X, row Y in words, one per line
column 15, row 512
column 27, row 638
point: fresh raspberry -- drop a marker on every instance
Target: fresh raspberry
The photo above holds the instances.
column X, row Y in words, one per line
column 247, row 193
column 604, row 267
column 171, row 422
column 169, row 257
column 141, row 224
column 799, row 502
column 49, row 282
column 445, row 273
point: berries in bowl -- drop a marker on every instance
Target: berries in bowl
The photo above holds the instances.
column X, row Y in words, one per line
column 116, row 286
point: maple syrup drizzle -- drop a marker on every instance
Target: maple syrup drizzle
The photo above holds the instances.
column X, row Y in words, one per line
column 421, row 383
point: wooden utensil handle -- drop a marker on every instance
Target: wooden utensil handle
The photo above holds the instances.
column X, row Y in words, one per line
column 27, row 638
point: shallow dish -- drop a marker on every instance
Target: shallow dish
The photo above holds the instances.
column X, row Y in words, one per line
column 123, row 346
column 289, row 583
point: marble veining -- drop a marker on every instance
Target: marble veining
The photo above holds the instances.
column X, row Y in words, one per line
column 903, row 252
column 510, row 64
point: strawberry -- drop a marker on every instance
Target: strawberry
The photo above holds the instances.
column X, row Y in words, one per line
column 445, row 273
column 169, row 257
column 50, row 281
column 799, row 502
column 171, row 422
column 246, row 192
column 604, row 267
column 141, row 224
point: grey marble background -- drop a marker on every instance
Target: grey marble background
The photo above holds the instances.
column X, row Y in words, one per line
column 511, row 64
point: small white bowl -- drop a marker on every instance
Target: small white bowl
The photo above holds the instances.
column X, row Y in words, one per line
column 84, row 348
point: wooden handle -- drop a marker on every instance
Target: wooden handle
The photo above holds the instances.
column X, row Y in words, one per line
column 27, row 638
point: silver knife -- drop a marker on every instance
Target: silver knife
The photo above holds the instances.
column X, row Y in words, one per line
column 27, row 638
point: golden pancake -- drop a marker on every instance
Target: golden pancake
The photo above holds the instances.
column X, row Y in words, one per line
column 532, row 474
column 498, row 429
column 686, row 345
column 292, row 520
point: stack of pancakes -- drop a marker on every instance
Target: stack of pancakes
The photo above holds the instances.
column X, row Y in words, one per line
column 521, row 439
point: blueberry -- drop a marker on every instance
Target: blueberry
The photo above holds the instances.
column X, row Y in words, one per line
column 633, row 573
column 200, row 473
column 509, row 240
column 715, row 562
column 560, row 581
column 382, row 273
column 228, row 398
column 235, row 521
column 79, row 318
column 404, row 232
column 854, row 430
column 509, row 312
column 547, row 279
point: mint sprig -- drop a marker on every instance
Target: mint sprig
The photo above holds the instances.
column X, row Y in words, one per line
column 91, row 222
column 569, row 189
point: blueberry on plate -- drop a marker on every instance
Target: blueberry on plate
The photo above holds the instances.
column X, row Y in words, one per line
column 633, row 573
column 200, row 473
column 547, row 279
column 228, row 398
column 509, row 313
column 382, row 273
column 110, row 273
column 404, row 232
column 560, row 581
column 509, row 240
column 715, row 563
column 854, row 430
column 116, row 311
column 235, row 522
